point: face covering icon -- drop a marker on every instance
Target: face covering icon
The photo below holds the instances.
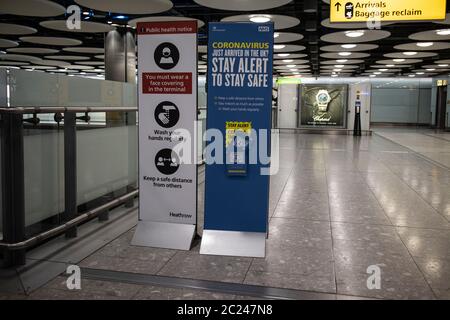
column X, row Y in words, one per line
column 166, row 58
column 164, row 117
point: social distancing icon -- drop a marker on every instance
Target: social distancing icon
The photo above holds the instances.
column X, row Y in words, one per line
column 167, row 161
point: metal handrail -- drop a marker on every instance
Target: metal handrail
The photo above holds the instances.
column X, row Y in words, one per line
column 43, row 109
column 70, row 224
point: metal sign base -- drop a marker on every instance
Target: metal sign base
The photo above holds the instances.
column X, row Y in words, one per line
column 233, row 243
column 164, row 235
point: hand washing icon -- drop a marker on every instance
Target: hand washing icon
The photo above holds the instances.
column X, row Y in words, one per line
column 167, row 114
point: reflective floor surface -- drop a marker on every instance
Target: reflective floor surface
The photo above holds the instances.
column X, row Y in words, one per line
column 428, row 143
column 338, row 206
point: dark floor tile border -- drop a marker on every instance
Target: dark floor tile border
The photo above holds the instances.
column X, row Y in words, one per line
column 419, row 155
column 215, row 286
column 429, row 135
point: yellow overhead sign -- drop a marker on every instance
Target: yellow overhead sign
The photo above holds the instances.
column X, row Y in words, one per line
column 387, row 10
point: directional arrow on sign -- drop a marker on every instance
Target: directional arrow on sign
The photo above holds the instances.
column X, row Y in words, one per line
column 338, row 6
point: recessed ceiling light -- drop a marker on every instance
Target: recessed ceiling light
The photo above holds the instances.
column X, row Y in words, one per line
column 334, row 75
column 293, row 69
column 377, row 73
column 412, row 75
column 260, row 18
column 443, row 32
column 276, row 34
column 337, row 70
column 279, row 46
column 431, row 69
column 424, row 44
column 372, row 76
column 348, row 46
column 354, row 34
column 398, row 60
column 291, row 65
column 443, row 65
column 341, row 60
column 420, row 72
column 344, row 54
column 338, row 65
column 288, row 60
column 390, row 65
column 11, row 67
column 410, row 53
column 282, row 55
column 383, row 70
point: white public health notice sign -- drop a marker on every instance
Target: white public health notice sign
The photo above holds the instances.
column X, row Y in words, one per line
column 167, row 65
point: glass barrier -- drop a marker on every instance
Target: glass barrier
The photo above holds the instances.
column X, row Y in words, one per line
column 36, row 89
column 106, row 165
column 106, row 161
column 44, row 175
column 106, row 143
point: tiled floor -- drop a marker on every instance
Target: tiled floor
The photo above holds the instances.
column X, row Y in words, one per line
column 431, row 144
column 338, row 205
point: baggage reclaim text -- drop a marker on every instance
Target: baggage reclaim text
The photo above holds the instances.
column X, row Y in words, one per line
column 378, row 10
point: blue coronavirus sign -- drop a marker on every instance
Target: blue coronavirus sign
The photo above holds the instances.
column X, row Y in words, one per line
column 239, row 84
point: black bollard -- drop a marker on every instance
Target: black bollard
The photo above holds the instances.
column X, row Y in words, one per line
column 357, row 124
